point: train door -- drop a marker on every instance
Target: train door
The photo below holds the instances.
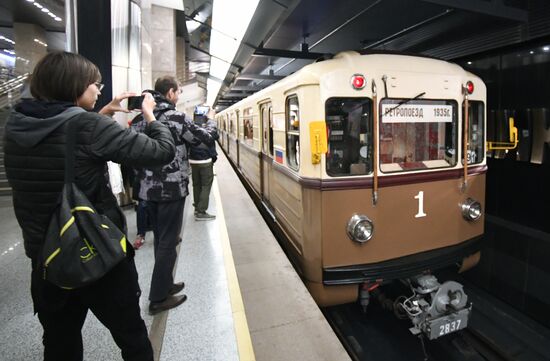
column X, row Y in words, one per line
column 266, row 159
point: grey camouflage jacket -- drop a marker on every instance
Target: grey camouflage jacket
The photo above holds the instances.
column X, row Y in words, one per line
column 169, row 182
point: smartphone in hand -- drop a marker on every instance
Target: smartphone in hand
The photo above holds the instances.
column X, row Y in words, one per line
column 135, row 102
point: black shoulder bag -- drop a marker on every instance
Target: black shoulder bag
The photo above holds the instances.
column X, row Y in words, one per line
column 81, row 245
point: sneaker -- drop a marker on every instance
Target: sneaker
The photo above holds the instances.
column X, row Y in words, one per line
column 203, row 216
column 138, row 242
column 168, row 303
column 176, row 287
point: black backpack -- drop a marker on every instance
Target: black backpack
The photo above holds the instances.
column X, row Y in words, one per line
column 81, row 245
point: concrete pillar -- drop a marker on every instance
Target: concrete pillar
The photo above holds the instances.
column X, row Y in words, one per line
column 27, row 50
column 146, row 46
column 163, row 40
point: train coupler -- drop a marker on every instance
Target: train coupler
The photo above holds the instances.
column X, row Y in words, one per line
column 436, row 309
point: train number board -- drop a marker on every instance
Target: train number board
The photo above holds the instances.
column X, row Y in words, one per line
column 417, row 113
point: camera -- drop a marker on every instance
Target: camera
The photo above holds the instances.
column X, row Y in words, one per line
column 135, row 102
column 201, row 109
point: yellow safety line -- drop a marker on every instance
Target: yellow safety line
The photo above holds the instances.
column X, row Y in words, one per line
column 242, row 333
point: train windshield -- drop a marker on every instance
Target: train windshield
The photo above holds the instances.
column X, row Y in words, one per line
column 419, row 134
column 349, row 127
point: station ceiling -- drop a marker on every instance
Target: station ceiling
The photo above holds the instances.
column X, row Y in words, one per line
column 285, row 35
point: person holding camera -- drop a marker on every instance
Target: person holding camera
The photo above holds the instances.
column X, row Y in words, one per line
column 164, row 189
column 34, row 147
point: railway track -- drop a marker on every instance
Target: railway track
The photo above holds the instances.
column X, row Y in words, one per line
column 495, row 333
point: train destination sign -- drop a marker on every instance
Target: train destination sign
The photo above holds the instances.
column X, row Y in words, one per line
column 416, row 113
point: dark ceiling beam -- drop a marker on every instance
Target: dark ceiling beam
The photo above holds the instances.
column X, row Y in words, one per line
column 259, row 77
column 409, row 29
column 246, row 88
column 492, row 7
column 282, row 53
column 235, row 95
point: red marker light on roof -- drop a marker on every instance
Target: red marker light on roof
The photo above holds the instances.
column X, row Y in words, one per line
column 470, row 87
column 358, row 81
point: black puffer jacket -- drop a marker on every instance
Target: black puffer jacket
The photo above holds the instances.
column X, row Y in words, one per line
column 34, row 148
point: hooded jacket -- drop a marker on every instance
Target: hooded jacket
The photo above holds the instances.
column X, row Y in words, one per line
column 169, row 183
column 202, row 152
column 34, row 156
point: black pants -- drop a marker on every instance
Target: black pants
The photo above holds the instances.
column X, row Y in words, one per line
column 167, row 221
column 114, row 300
column 203, row 176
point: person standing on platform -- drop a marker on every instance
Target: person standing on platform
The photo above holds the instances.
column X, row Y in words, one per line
column 165, row 190
column 202, row 158
column 66, row 86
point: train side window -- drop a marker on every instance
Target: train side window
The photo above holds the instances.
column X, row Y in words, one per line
column 248, row 128
column 349, row 127
column 476, row 142
column 271, row 131
column 293, row 132
column 238, row 130
column 419, row 134
column 267, row 128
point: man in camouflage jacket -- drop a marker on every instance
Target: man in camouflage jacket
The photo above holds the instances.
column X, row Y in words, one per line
column 164, row 189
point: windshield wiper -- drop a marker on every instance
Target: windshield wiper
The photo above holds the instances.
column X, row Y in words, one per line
column 404, row 102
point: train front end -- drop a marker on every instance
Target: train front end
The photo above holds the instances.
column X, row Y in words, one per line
column 404, row 189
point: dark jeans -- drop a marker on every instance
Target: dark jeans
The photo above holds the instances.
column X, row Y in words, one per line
column 203, row 176
column 114, row 300
column 167, row 220
column 142, row 219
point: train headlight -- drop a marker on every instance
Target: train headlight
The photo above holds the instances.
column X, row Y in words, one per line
column 471, row 210
column 360, row 228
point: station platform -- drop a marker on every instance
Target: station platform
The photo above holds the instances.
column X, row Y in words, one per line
column 245, row 300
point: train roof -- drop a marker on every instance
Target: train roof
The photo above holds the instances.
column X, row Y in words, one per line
column 378, row 62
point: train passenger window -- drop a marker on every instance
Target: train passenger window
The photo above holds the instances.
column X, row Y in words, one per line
column 238, row 130
column 349, row 126
column 476, row 142
column 266, row 113
column 271, row 131
column 293, row 132
column 232, row 123
column 418, row 134
column 248, row 127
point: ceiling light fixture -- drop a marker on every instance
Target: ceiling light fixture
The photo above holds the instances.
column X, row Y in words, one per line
column 40, row 42
column 6, row 39
column 45, row 10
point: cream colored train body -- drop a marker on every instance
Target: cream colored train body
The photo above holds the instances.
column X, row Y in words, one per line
column 366, row 180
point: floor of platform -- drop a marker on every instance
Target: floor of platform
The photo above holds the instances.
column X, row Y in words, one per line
column 245, row 301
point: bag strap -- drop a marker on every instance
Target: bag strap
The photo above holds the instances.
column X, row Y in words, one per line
column 70, row 126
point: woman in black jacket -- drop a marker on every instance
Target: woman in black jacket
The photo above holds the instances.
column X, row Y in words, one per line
column 34, row 160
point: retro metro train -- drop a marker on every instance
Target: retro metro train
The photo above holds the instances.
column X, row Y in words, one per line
column 373, row 170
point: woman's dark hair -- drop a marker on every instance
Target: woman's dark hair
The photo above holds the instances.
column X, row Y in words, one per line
column 165, row 83
column 63, row 76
